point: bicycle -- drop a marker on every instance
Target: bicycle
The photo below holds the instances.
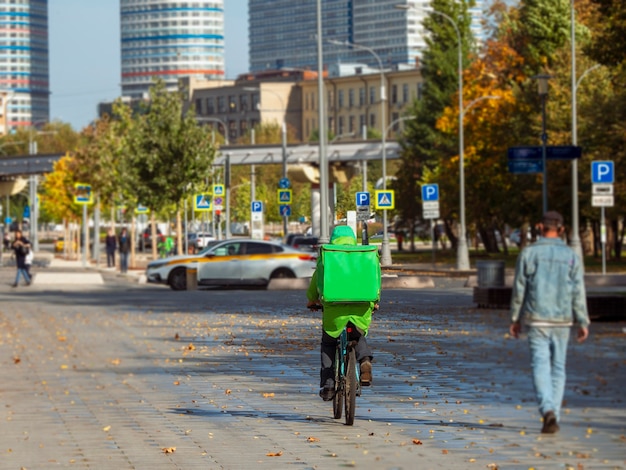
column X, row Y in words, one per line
column 347, row 374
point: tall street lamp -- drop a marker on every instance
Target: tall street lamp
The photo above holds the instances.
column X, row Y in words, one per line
column 323, row 160
column 542, row 87
column 462, row 254
column 385, row 258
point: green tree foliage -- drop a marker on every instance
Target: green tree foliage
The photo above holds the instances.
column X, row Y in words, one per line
column 608, row 46
column 423, row 145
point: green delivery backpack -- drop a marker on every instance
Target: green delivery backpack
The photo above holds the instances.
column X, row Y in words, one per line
column 348, row 273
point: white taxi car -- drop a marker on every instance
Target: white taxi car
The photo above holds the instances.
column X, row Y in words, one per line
column 235, row 262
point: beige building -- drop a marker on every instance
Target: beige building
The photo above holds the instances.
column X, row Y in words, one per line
column 354, row 101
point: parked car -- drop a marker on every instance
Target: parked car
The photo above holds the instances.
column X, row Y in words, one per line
column 391, row 234
column 59, row 245
column 290, row 236
column 203, row 238
column 235, row 262
column 305, row 243
column 145, row 239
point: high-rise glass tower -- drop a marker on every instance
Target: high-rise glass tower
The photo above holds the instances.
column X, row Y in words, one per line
column 24, row 67
column 170, row 39
column 283, row 32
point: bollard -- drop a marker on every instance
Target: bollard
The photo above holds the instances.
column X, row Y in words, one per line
column 192, row 278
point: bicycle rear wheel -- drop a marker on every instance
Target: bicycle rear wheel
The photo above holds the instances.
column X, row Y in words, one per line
column 338, row 397
column 350, row 387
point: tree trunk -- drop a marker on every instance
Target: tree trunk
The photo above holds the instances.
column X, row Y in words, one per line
column 153, row 235
column 179, row 233
column 133, row 237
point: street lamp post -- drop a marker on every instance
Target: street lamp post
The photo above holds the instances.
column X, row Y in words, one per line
column 542, row 87
column 462, row 260
column 385, row 258
column 323, row 160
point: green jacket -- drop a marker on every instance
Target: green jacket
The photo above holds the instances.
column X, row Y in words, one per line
column 337, row 315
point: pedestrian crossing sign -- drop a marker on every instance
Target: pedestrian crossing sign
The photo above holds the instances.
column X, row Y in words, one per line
column 284, row 196
column 385, row 199
column 218, row 190
column 202, row 203
column 82, row 194
column 141, row 210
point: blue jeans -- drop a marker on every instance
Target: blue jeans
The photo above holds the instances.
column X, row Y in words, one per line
column 24, row 273
column 548, row 352
column 123, row 262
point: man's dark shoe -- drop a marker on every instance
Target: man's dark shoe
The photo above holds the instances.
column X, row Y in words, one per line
column 327, row 394
column 366, row 373
column 550, row 426
column 14, row 285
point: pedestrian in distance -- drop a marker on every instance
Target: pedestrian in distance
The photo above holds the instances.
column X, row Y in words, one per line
column 21, row 248
column 549, row 296
column 110, row 243
column 124, row 248
column 335, row 317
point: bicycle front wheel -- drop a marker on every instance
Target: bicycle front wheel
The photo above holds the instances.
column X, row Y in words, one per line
column 338, row 397
column 350, row 387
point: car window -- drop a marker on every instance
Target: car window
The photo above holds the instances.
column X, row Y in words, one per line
column 253, row 248
column 229, row 249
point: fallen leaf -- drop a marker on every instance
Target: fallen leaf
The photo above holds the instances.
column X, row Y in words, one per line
column 176, row 337
column 116, row 362
column 417, row 442
column 176, row 382
column 444, row 451
column 191, row 347
column 168, row 450
column 228, row 391
column 312, row 439
column 61, row 338
column 275, row 454
column 268, row 395
column 106, row 428
column 16, row 360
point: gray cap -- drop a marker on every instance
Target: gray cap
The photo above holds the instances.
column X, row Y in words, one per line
column 552, row 218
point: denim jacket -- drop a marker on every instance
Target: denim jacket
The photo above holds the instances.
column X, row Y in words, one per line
column 549, row 288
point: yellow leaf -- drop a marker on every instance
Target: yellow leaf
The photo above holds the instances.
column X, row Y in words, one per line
column 168, row 450
column 275, row 454
column 106, row 428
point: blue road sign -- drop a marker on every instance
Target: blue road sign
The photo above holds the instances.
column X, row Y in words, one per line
column 26, row 214
column 256, row 206
column 363, row 199
column 284, row 183
column 218, row 190
column 430, row 192
column 553, row 152
column 202, row 202
column 284, row 196
column 285, row 210
column 525, row 166
column 602, row 172
column 8, row 220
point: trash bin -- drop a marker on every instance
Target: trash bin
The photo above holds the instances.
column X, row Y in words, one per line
column 490, row 273
column 192, row 278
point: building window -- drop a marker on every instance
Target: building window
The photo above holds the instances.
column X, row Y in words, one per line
column 210, row 106
column 221, row 104
column 372, row 120
column 361, row 96
column 243, row 127
column 243, row 102
column 331, row 124
column 340, row 99
column 199, row 106
column 372, row 95
column 331, row 99
column 340, row 125
column 351, row 97
column 395, row 118
column 362, row 122
column 405, row 93
column 232, row 104
column 351, row 122
column 394, row 94
column 420, row 90
column 232, row 130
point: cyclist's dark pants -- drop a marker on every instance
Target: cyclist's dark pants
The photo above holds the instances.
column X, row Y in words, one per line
column 329, row 344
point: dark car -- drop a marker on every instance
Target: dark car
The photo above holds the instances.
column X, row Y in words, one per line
column 290, row 237
column 305, row 243
column 145, row 239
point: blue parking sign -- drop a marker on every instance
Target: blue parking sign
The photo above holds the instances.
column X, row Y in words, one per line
column 602, row 172
column 363, row 199
column 430, row 192
column 257, row 206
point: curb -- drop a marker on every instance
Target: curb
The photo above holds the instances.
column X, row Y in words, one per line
column 388, row 282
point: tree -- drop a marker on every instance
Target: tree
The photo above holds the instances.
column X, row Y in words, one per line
column 170, row 154
column 423, row 144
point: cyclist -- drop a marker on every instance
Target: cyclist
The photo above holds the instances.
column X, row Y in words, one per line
column 335, row 318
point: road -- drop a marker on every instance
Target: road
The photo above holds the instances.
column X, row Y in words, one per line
column 130, row 376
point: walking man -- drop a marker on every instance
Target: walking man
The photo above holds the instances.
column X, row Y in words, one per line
column 21, row 248
column 549, row 294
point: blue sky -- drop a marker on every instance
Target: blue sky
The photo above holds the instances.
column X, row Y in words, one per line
column 85, row 54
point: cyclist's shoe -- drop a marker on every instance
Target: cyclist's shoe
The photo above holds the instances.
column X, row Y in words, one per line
column 327, row 394
column 366, row 373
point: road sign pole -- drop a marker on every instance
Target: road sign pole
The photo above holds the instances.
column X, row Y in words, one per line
column 603, row 240
column 85, row 235
column 432, row 230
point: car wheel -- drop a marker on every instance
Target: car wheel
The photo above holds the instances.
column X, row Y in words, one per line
column 283, row 273
column 178, row 279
